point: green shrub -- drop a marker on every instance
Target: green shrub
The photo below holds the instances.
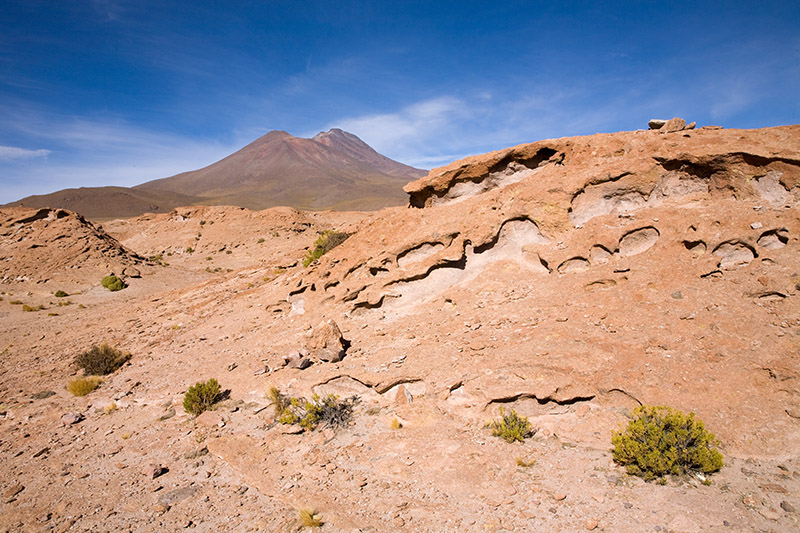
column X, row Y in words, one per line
column 511, row 427
column 309, row 414
column 326, row 242
column 101, row 360
column 660, row 440
column 61, row 294
column 201, row 396
column 113, row 283
column 189, row 250
column 83, row 386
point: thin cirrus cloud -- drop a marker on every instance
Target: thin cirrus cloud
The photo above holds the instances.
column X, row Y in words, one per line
column 84, row 152
column 410, row 133
column 8, row 153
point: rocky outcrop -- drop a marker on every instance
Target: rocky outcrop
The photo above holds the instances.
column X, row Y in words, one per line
column 42, row 244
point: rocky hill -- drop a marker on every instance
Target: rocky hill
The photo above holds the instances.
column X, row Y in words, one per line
column 570, row 279
column 334, row 170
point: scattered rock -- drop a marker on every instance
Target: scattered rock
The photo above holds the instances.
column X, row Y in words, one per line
column 590, row 524
column 71, row 418
column 261, row 370
column 295, row 360
column 42, row 395
column 210, row 419
column 169, row 413
column 325, row 342
column 131, row 272
column 153, row 470
column 788, row 507
column 559, row 496
column 177, row 495
column 291, row 429
column 194, row 454
column 12, row 491
column 161, row 508
column 749, row 501
column 673, row 125
column 656, row 123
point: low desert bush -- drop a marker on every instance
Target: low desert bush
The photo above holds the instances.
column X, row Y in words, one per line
column 326, row 242
column 83, row 386
column 101, row 360
column 201, row 396
column 61, row 294
column 309, row 414
column 32, row 308
column 660, row 440
column 113, row 283
column 308, row 517
column 511, row 427
column 525, row 464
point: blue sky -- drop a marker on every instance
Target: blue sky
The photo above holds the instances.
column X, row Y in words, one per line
column 108, row 92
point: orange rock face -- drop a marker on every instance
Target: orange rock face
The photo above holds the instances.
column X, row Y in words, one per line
column 569, row 279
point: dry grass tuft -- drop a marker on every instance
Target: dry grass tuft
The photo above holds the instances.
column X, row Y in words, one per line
column 83, row 386
column 308, row 517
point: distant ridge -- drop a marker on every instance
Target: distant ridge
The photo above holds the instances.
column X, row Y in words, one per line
column 333, row 170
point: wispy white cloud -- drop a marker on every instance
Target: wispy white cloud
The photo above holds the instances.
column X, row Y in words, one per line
column 87, row 153
column 12, row 152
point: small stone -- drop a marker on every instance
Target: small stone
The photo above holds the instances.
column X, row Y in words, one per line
column 677, row 295
column 209, row 419
column 131, row 272
column 161, row 508
column 325, row 342
column 12, row 491
column 749, row 501
column 590, row 524
column 194, row 454
column 691, row 126
column 169, row 413
column 673, row 125
column 559, row 496
column 788, row 507
column 656, row 123
column 153, row 470
column 291, row 429
column 260, row 370
column 756, row 225
column 41, row 395
column 71, row 418
column 402, row 396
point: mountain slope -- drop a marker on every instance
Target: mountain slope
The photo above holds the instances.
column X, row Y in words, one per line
column 334, row 170
column 279, row 169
